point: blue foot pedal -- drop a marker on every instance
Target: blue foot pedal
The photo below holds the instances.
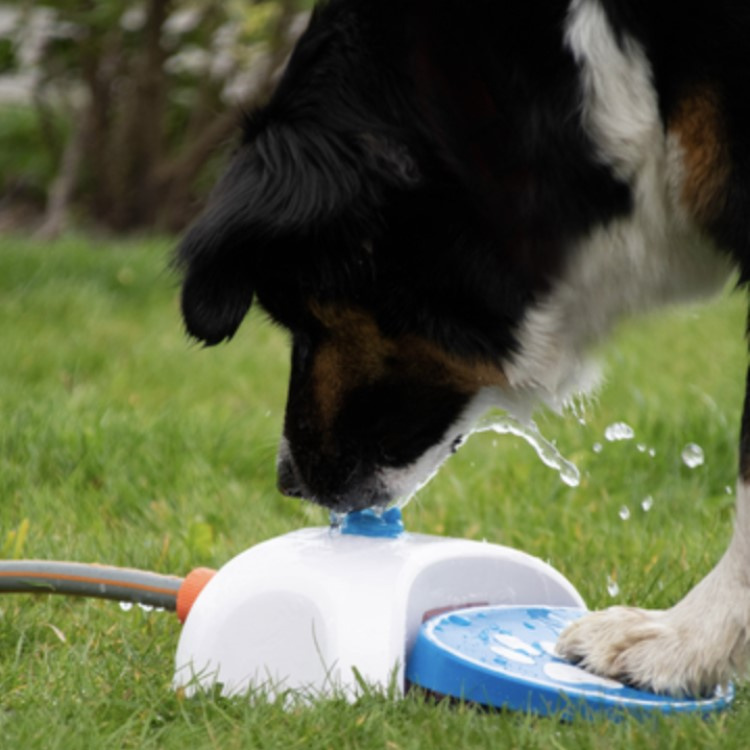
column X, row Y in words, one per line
column 504, row 657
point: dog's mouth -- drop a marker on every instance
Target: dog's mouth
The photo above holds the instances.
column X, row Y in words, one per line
column 363, row 497
column 360, row 489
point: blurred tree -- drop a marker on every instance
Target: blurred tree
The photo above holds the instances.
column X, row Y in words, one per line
column 149, row 89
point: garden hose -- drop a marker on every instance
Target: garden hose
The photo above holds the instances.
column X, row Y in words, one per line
column 104, row 582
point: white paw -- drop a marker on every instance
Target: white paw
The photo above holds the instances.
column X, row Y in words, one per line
column 660, row 651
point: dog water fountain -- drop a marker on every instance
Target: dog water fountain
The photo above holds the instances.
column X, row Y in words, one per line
column 326, row 611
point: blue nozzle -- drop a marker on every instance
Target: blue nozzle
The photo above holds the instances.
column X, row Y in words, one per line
column 386, row 525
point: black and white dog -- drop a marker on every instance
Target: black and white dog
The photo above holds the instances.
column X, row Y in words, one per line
column 447, row 203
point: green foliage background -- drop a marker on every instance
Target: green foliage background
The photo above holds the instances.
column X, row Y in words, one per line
column 134, row 103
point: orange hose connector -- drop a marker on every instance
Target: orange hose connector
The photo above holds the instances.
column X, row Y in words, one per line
column 192, row 585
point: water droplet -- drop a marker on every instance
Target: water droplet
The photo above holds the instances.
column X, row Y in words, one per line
column 619, row 431
column 624, row 513
column 613, row 589
column 546, row 451
column 578, row 408
column 692, row 456
column 647, row 503
column 126, row 606
column 516, row 643
column 597, row 448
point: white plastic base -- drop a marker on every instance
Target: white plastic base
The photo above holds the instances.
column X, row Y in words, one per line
column 315, row 609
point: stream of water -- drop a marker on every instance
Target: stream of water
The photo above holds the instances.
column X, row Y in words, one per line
column 547, row 451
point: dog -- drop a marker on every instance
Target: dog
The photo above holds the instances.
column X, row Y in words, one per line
column 446, row 205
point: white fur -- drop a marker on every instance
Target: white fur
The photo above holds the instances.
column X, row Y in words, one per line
column 699, row 643
column 653, row 256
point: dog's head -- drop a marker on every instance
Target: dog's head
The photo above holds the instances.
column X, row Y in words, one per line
column 399, row 206
column 388, row 299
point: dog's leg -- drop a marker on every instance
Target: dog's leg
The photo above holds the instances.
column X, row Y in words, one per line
column 697, row 644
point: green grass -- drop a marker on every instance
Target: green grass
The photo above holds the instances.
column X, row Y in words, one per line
column 123, row 443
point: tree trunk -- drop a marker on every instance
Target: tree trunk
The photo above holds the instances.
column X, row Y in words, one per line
column 63, row 187
column 151, row 91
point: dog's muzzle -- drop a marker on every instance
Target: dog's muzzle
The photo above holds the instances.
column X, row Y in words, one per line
column 358, row 490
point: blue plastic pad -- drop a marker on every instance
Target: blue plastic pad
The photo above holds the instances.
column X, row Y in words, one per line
column 504, row 657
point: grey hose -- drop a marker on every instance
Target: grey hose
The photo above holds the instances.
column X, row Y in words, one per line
column 80, row 579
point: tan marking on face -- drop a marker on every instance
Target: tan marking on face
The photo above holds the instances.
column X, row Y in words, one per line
column 356, row 353
column 445, row 368
column 697, row 123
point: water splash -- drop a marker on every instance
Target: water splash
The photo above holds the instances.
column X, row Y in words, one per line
column 619, row 431
column 547, row 451
column 501, row 425
column 693, row 456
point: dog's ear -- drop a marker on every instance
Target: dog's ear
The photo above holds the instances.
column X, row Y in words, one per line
column 217, row 291
column 215, row 256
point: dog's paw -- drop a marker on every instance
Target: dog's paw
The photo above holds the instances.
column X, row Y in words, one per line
column 652, row 650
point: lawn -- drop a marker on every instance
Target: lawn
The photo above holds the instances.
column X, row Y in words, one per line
column 124, row 443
